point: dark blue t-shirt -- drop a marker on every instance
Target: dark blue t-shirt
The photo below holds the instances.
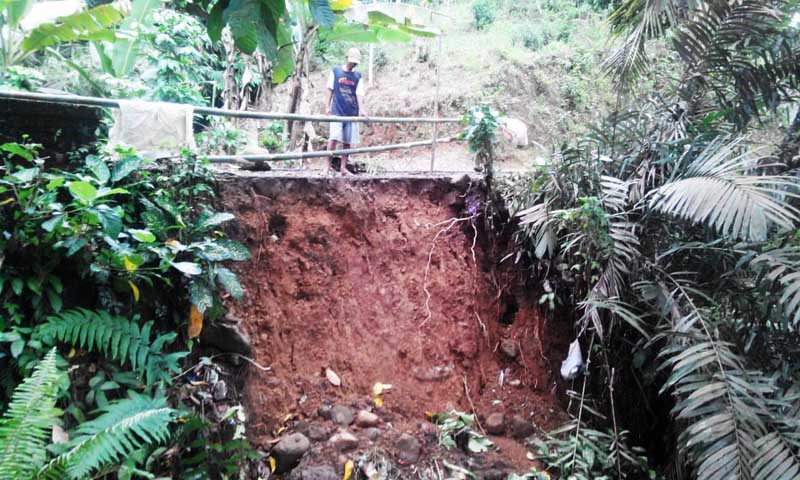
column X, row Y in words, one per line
column 345, row 102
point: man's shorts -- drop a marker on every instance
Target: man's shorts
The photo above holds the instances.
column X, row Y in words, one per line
column 345, row 132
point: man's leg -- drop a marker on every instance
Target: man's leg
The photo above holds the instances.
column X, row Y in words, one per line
column 343, row 166
column 331, row 147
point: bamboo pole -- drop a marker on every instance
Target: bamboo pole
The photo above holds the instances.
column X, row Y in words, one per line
column 110, row 103
column 278, row 157
column 436, row 100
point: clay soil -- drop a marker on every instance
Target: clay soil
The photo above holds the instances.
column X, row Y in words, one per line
column 337, row 281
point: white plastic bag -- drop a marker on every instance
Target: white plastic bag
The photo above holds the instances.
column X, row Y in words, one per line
column 572, row 366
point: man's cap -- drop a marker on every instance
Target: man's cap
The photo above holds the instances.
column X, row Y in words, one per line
column 354, row 55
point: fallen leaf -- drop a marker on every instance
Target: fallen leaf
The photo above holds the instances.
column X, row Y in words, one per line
column 135, row 290
column 129, row 265
column 379, row 388
column 333, row 378
column 379, row 401
column 195, row 322
column 348, row 470
column 272, row 464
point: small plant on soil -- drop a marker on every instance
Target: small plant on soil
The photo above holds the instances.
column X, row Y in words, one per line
column 456, row 430
column 483, row 13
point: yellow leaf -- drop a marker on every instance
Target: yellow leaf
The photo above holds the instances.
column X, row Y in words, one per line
column 135, row 290
column 378, row 401
column 71, row 353
column 195, row 322
column 340, row 5
column 7, row 201
column 272, row 464
column 348, row 470
column 129, row 266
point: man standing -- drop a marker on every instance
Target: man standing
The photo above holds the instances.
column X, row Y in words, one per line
column 345, row 88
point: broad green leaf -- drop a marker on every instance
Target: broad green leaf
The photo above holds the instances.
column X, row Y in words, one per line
column 17, row 285
column 216, row 23
column 221, row 250
column 83, row 190
column 54, row 183
column 419, row 31
column 50, row 225
column 17, row 149
column 24, row 176
column 189, row 268
column 388, row 34
column 55, row 300
column 144, row 236
column 125, row 49
column 92, row 24
column 15, row 11
column 111, row 219
column 284, row 64
column 125, row 167
column 105, row 192
column 16, row 347
column 98, row 168
column 353, row 32
column 322, row 13
column 201, row 295
column 230, row 282
column 210, row 220
column 244, row 19
column 377, row 17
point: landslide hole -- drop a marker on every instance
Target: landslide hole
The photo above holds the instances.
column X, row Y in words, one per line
column 510, row 309
column 277, row 224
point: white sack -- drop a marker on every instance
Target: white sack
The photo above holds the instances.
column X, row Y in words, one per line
column 155, row 129
column 572, row 366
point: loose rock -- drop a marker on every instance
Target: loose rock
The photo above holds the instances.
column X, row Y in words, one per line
column 342, row 415
column 495, row 424
column 314, row 473
column 289, row 450
column 344, row 441
column 220, row 390
column 520, row 427
column 367, row 419
column 317, row 432
column 227, row 335
column 324, row 411
column 408, row 449
column 509, row 348
column 373, row 434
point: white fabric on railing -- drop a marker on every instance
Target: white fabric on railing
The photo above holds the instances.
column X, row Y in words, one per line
column 155, row 129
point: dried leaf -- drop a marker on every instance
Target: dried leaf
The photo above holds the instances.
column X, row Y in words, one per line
column 379, row 401
column 135, row 290
column 272, row 464
column 195, row 322
column 333, row 378
column 348, row 470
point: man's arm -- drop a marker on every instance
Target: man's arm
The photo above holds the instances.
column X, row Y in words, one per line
column 329, row 103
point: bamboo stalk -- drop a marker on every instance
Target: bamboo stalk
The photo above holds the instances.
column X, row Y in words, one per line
column 111, row 103
column 277, row 157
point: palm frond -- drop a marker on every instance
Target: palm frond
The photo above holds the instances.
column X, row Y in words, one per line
column 25, row 427
column 713, row 191
column 539, row 223
column 124, row 427
column 782, row 266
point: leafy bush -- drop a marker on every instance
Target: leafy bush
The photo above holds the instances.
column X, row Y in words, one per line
column 483, row 13
column 221, row 136
column 271, row 137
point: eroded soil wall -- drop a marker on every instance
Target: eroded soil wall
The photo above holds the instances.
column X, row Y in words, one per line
column 337, row 280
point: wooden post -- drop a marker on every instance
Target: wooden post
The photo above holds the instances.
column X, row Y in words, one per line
column 436, row 99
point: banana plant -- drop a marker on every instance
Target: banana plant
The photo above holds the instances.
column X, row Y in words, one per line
column 17, row 44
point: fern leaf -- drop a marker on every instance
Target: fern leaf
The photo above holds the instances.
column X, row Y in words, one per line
column 713, row 191
column 25, row 427
column 124, row 426
column 117, row 338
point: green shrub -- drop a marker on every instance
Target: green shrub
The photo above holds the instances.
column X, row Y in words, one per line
column 271, row 137
column 535, row 36
column 483, row 13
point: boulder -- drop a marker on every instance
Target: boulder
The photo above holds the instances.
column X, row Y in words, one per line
column 344, row 440
column 495, row 424
column 227, row 335
column 408, row 449
column 314, row 473
column 289, row 450
column 342, row 415
column 520, row 427
column 366, row 419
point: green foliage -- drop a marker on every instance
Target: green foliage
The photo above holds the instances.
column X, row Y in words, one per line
column 122, row 428
column 586, row 454
column 25, row 427
column 271, row 137
column 481, row 122
column 456, row 429
column 483, row 13
column 221, row 136
column 118, row 339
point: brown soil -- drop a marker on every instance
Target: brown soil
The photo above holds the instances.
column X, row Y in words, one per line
column 337, row 281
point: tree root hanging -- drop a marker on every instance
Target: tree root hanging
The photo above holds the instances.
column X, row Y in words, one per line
column 445, row 227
